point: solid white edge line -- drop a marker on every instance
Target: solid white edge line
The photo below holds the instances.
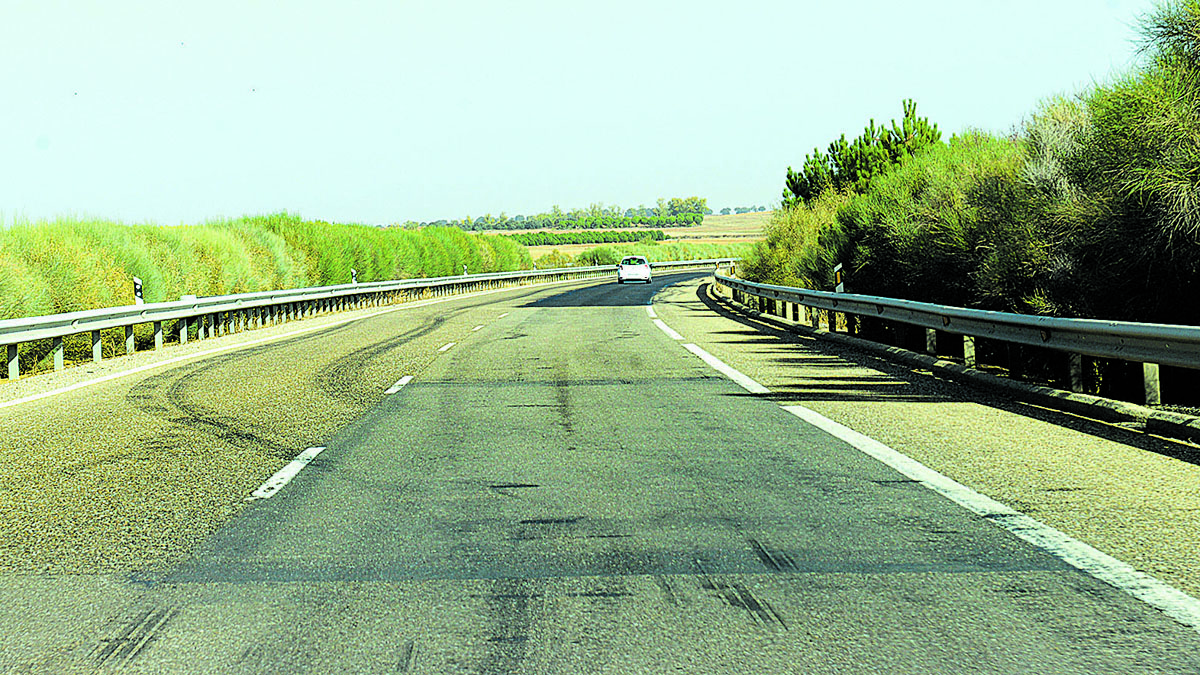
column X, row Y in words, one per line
column 446, row 346
column 668, row 330
column 1171, row 601
column 718, row 365
column 399, row 385
column 650, row 311
column 287, row 473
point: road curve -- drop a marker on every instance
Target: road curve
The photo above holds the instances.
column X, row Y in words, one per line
column 560, row 486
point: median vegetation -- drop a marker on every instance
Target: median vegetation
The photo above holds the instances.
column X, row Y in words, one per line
column 74, row 264
column 1091, row 210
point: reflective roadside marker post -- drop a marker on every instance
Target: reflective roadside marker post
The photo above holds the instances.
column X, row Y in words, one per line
column 840, row 281
column 137, row 292
column 353, row 276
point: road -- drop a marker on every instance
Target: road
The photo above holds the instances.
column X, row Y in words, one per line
column 561, row 487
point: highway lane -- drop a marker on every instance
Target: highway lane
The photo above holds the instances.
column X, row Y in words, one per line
column 567, row 489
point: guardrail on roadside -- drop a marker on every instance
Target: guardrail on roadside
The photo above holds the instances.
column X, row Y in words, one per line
column 217, row 315
column 1149, row 344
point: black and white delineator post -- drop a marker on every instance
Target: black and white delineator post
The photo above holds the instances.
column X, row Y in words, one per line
column 464, row 269
column 353, row 276
column 137, row 292
column 839, row 279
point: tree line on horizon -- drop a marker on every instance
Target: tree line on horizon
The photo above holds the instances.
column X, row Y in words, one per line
column 585, row 237
column 676, row 211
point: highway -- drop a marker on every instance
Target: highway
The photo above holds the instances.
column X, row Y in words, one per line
column 552, row 480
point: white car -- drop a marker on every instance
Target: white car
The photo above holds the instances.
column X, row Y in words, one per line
column 633, row 267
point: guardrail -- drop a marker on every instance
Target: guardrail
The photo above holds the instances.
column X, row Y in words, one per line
column 218, row 315
column 1151, row 345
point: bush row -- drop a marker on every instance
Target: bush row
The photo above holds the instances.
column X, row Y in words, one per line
column 75, row 264
column 585, row 237
column 1091, row 210
column 653, row 251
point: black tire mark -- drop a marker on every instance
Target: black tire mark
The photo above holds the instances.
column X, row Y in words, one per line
column 509, row 618
column 342, row 381
column 776, row 561
column 132, row 637
column 161, row 396
column 735, row 595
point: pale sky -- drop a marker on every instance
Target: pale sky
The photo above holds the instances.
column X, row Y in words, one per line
column 380, row 111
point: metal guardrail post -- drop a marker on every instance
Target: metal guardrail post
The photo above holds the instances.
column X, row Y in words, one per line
column 1151, row 384
column 1151, row 345
column 221, row 315
column 1075, row 372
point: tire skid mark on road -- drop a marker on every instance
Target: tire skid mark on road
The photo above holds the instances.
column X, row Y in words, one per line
column 303, row 330
column 1173, row 602
column 407, row 658
column 342, row 379
column 164, row 397
column 736, row 595
column 509, row 609
column 132, row 637
column 1168, row 599
column 775, row 560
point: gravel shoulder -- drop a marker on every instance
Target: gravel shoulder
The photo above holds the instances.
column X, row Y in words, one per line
column 1132, row 495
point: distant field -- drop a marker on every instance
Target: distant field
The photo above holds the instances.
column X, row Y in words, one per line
column 742, row 226
column 745, row 227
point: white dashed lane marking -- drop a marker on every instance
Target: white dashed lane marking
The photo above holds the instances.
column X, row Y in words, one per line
column 287, row 473
column 399, row 385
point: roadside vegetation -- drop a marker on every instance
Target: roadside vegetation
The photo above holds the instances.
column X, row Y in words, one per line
column 74, row 264
column 585, row 237
column 652, row 250
column 1091, row 209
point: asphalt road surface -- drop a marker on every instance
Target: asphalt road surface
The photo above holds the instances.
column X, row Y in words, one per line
column 561, row 487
